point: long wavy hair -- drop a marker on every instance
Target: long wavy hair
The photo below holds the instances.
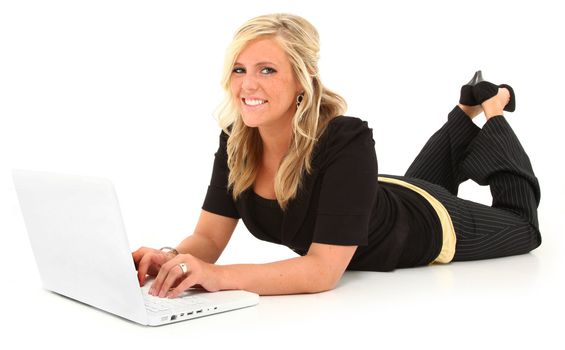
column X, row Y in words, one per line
column 300, row 40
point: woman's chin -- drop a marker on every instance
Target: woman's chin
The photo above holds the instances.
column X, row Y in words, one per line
column 250, row 122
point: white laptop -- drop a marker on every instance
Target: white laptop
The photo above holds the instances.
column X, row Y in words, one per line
column 81, row 249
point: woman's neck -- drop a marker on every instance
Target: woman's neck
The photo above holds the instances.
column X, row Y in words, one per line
column 276, row 141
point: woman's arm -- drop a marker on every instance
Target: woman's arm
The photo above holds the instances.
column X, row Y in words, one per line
column 318, row 271
column 210, row 237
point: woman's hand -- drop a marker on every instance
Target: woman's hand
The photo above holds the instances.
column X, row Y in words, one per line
column 148, row 261
column 171, row 275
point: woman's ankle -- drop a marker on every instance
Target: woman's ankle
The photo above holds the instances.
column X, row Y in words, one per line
column 494, row 106
column 471, row 111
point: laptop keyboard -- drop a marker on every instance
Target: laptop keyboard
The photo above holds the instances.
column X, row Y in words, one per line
column 156, row 304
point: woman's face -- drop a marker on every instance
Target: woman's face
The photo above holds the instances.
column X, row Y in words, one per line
column 263, row 85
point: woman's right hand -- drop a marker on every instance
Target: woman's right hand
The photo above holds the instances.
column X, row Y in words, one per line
column 148, row 261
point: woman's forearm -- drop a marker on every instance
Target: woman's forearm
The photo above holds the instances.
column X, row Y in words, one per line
column 201, row 247
column 211, row 235
column 305, row 274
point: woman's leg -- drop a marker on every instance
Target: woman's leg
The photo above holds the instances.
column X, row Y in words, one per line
column 492, row 156
column 496, row 158
column 439, row 160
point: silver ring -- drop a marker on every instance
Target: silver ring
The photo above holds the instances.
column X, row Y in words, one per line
column 184, row 268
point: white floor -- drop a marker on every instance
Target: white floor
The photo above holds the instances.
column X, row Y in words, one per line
column 501, row 303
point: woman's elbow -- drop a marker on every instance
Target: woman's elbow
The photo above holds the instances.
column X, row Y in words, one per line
column 326, row 265
column 321, row 283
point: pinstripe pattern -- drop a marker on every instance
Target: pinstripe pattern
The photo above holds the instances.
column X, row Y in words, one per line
column 492, row 156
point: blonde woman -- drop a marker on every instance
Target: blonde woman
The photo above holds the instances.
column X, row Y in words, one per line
column 299, row 173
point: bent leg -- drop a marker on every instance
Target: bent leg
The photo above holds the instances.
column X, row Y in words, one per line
column 496, row 158
column 510, row 226
column 439, row 160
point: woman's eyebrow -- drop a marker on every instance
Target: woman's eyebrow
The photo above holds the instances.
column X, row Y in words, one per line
column 262, row 63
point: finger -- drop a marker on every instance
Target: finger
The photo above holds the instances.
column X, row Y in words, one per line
column 174, row 274
column 162, row 275
column 148, row 261
column 138, row 254
column 188, row 282
column 142, row 268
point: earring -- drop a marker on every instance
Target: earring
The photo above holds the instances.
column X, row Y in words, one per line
column 299, row 99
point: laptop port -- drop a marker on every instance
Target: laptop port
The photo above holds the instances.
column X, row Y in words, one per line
column 174, row 317
column 199, row 311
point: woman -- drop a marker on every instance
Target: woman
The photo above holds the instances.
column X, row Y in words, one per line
column 300, row 174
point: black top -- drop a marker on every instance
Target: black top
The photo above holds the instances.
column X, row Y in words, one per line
column 340, row 202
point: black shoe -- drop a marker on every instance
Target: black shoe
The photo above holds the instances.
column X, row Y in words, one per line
column 467, row 97
column 484, row 90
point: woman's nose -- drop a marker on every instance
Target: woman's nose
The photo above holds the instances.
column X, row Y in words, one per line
column 249, row 83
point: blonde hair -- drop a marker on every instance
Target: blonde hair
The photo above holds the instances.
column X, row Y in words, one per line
column 300, row 40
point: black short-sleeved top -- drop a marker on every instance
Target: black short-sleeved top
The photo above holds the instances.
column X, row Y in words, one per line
column 340, row 202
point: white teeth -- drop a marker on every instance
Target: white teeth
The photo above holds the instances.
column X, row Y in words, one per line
column 251, row 102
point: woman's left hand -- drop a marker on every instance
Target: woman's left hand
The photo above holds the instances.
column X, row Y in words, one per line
column 171, row 274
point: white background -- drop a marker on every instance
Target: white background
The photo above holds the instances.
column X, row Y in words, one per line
column 127, row 90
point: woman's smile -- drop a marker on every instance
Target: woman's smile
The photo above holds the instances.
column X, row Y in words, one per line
column 253, row 102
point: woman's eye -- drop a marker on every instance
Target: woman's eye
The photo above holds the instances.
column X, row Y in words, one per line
column 268, row 70
column 238, row 70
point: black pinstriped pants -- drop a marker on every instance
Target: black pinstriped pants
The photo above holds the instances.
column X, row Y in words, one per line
column 492, row 156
